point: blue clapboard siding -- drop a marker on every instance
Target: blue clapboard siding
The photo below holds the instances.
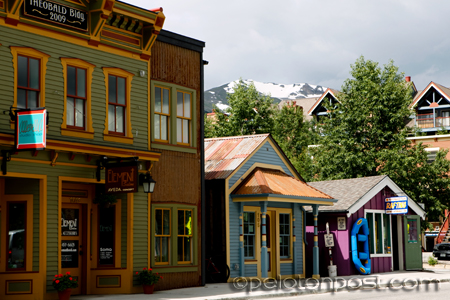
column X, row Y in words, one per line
column 251, row 271
column 234, row 238
column 286, row 269
column 298, row 231
column 267, row 155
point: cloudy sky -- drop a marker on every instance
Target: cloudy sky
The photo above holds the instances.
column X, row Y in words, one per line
column 313, row 41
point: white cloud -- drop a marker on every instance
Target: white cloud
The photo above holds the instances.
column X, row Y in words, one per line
column 313, row 41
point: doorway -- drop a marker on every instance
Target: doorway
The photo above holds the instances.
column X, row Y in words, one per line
column 413, row 245
column 73, row 241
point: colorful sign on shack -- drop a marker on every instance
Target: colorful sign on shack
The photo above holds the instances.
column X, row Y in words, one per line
column 396, row 205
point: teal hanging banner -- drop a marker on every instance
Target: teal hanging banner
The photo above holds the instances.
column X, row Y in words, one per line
column 31, row 130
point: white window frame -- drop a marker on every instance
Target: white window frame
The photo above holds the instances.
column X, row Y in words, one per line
column 380, row 211
column 431, row 151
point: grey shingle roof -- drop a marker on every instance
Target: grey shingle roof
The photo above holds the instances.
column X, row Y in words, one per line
column 346, row 191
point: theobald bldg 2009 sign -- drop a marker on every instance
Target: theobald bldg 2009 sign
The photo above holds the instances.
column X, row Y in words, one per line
column 57, row 13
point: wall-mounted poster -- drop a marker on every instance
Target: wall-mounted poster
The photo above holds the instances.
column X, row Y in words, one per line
column 69, row 221
column 341, row 223
column 329, row 240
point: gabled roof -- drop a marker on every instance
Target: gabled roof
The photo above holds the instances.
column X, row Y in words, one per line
column 305, row 103
column 328, row 91
column 224, row 155
column 276, row 182
column 353, row 193
column 440, row 88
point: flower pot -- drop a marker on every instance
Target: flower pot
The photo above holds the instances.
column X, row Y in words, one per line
column 148, row 289
column 64, row 295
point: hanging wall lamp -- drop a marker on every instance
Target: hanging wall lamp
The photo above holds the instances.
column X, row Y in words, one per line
column 147, row 182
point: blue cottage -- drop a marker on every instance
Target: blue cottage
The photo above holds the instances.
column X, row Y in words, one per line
column 255, row 208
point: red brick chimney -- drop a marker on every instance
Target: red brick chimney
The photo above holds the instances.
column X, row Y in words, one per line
column 408, row 78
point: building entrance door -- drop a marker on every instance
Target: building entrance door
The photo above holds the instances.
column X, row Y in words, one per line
column 413, row 245
column 73, row 239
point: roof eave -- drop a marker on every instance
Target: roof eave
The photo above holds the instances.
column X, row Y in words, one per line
column 283, row 198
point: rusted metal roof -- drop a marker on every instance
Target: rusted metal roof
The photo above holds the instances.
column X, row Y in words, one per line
column 224, row 155
column 268, row 181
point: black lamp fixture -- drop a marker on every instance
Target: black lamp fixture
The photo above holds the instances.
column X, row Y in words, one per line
column 147, row 182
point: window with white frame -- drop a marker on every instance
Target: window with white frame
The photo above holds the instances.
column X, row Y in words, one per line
column 379, row 232
column 431, row 153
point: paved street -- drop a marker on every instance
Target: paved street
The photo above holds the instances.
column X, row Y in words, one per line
column 407, row 280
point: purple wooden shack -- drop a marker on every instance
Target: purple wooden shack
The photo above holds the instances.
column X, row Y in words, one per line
column 394, row 239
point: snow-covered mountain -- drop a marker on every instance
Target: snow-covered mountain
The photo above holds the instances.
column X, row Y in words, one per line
column 218, row 95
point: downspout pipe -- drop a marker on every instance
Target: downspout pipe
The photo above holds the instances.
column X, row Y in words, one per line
column 202, row 168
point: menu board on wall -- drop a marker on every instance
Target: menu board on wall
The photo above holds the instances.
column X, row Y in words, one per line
column 106, row 236
column 69, row 254
column 69, row 221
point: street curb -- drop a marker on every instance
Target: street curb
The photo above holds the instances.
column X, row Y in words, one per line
column 306, row 291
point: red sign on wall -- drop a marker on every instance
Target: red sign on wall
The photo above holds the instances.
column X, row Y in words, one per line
column 121, row 178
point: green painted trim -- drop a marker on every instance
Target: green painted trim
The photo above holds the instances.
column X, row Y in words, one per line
column 174, row 241
column 161, row 269
column 173, row 116
column 174, row 148
column 84, row 35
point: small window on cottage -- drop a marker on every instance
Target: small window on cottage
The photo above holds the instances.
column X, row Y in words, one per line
column 379, row 232
column 285, row 235
column 249, row 234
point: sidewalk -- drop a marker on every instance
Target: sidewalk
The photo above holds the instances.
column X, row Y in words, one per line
column 222, row 291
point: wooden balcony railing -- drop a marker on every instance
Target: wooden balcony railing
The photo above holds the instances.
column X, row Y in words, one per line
column 428, row 122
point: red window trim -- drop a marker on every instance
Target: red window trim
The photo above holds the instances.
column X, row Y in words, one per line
column 76, row 97
column 27, row 88
column 115, row 104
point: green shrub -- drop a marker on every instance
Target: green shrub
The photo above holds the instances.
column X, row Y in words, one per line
column 432, row 261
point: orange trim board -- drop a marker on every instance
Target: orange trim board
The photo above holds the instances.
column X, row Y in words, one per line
column 59, row 34
column 89, row 149
column 121, row 37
